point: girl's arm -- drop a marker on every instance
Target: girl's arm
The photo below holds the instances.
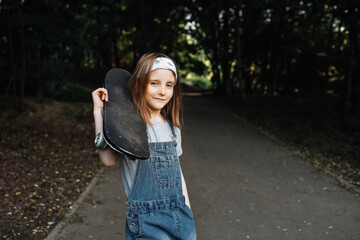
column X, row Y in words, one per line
column 184, row 188
column 108, row 157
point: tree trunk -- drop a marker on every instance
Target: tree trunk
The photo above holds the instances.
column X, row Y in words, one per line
column 265, row 66
column 225, row 66
column 274, row 71
column 352, row 99
column 83, row 30
column 238, row 55
column 23, row 56
column 12, row 58
column 216, row 75
column 215, row 62
column 116, row 52
column 78, row 51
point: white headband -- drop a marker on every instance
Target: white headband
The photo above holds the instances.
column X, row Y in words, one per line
column 164, row 63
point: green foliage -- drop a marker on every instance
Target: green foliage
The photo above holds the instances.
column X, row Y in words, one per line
column 72, row 92
column 352, row 123
column 28, row 123
column 199, row 82
column 291, row 48
column 293, row 44
column 17, row 157
column 355, row 139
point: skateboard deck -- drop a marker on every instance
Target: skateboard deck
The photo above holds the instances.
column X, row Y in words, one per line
column 124, row 128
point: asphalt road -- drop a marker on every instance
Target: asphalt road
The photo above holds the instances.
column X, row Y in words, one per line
column 242, row 185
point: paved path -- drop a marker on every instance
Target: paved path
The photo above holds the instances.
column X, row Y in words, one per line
column 242, row 185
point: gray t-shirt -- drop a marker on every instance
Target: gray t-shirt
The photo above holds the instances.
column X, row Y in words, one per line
column 158, row 132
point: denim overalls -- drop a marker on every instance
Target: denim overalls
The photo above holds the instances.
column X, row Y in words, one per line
column 156, row 206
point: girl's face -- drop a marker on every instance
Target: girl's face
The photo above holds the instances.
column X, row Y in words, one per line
column 159, row 90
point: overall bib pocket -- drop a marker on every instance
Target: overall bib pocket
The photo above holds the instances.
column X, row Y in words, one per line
column 165, row 170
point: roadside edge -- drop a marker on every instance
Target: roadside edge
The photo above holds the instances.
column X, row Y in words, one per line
column 57, row 229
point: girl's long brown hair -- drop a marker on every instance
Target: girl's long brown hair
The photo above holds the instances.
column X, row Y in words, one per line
column 138, row 85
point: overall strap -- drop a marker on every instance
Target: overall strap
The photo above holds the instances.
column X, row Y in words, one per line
column 173, row 131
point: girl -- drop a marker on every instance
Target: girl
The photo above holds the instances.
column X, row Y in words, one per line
column 158, row 205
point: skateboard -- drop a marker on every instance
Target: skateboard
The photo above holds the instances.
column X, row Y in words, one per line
column 124, row 128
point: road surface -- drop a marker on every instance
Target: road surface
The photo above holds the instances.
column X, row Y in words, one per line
column 242, row 185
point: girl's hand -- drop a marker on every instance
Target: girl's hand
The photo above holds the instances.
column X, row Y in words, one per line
column 98, row 96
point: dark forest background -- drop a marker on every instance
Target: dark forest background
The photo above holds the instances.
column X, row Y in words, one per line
column 300, row 49
column 291, row 68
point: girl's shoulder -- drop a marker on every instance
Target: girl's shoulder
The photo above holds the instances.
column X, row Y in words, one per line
column 177, row 130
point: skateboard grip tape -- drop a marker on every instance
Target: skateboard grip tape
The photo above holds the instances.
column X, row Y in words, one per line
column 124, row 128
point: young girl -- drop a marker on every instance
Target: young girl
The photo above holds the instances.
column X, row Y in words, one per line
column 158, row 205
